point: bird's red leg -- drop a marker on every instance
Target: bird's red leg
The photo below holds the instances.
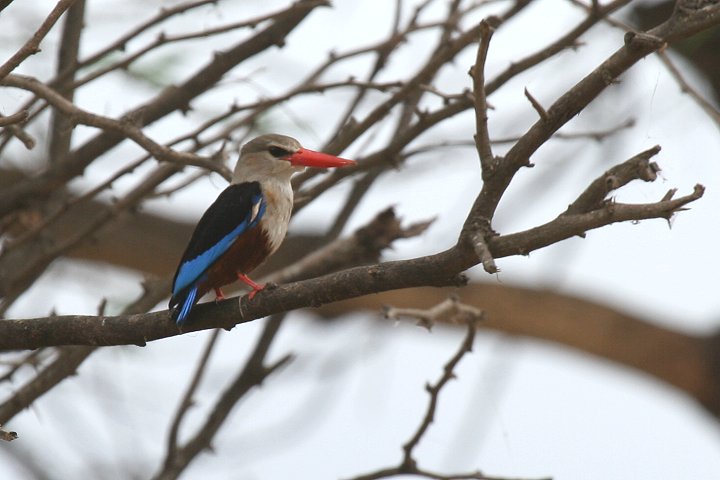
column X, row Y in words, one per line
column 219, row 295
column 255, row 287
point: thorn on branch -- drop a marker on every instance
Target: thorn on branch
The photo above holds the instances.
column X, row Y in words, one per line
column 101, row 307
column 680, row 203
column 669, row 195
column 536, row 105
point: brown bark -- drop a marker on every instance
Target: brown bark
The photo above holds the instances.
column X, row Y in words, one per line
column 152, row 244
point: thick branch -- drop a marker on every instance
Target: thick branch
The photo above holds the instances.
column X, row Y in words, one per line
column 442, row 269
column 252, row 375
column 66, row 363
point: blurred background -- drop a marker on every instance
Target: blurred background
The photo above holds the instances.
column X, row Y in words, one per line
column 540, row 396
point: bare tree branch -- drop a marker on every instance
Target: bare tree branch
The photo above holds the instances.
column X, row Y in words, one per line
column 578, row 97
column 482, row 136
column 172, row 99
column 33, row 45
column 707, row 107
column 67, row 361
column 389, row 116
column 18, row 117
column 187, row 401
column 7, row 436
column 637, row 168
column 453, row 311
column 61, row 126
column 254, row 373
column 124, row 128
column 684, row 361
column 441, row 269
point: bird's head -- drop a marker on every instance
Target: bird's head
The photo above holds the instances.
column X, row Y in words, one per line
column 279, row 156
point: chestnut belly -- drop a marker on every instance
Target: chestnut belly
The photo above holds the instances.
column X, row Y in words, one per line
column 244, row 255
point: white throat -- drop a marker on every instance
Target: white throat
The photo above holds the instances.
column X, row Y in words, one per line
column 278, row 196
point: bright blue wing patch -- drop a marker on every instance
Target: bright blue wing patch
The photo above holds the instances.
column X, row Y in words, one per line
column 192, row 270
column 214, row 235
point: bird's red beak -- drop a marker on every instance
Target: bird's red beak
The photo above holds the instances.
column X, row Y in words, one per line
column 311, row 158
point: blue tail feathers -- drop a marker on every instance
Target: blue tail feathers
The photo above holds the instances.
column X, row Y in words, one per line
column 185, row 304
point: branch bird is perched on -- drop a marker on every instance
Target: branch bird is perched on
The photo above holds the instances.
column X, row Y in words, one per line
column 246, row 223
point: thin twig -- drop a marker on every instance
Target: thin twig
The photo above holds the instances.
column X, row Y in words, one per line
column 482, row 135
column 14, row 130
column 31, row 47
column 17, row 117
column 638, row 167
column 68, row 360
column 361, row 187
column 187, row 400
column 536, row 105
column 127, row 129
column 706, row 106
column 162, row 40
column 458, row 313
column 32, row 359
column 251, row 375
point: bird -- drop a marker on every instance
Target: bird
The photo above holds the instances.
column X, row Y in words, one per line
column 246, row 223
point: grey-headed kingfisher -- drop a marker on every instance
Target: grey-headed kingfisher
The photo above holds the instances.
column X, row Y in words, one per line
column 246, row 223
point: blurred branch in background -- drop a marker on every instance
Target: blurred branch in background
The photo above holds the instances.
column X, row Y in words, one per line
column 687, row 362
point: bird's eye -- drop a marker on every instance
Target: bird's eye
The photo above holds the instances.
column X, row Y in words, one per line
column 277, row 152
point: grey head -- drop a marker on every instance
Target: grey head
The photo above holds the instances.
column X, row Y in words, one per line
column 272, row 143
column 266, row 156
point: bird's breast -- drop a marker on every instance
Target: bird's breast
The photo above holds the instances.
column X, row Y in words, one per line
column 278, row 208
